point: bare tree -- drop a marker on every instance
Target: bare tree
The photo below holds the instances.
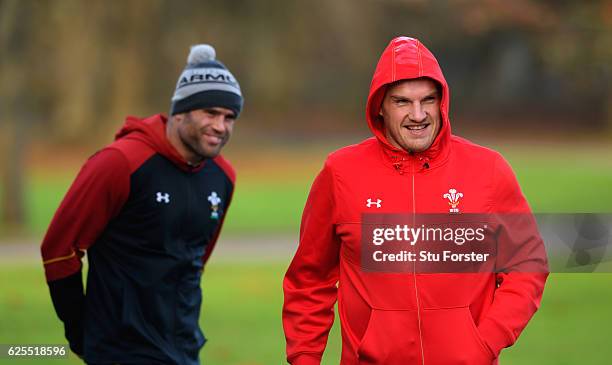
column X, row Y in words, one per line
column 13, row 127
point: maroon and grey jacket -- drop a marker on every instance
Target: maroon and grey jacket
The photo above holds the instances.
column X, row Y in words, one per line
column 148, row 221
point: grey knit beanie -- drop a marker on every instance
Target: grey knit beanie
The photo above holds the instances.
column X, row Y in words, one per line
column 206, row 83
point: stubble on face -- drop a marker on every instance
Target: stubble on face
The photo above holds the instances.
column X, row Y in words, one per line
column 202, row 135
column 411, row 114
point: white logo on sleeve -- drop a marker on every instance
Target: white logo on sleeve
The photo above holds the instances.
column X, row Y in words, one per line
column 163, row 197
column 214, row 200
column 377, row 203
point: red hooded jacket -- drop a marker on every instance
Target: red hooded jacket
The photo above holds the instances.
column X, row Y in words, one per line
column 403, row 318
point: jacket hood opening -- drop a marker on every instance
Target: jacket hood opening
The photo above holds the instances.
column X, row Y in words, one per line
column 407, row 58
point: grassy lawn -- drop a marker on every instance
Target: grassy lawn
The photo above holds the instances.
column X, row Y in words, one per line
column 270, row 199
column 241, row 317
column 242, row 301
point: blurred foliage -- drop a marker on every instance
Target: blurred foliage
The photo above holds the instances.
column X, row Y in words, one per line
column 70, row 70
column 80, row 67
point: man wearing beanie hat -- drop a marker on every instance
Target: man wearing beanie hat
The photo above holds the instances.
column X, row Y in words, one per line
column 147, row 209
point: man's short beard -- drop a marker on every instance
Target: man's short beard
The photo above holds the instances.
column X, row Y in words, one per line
column 194, row 146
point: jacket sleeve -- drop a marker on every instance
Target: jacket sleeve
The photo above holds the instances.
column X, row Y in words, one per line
column 310, row 282
column 96, row 196
column 522, row 270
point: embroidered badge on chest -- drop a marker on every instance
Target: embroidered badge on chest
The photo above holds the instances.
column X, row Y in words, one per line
column 453, row 200
column 214, row 200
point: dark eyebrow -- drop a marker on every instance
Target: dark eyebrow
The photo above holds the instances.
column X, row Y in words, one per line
column 216, row 111
column 399, row 98
column 433, row 94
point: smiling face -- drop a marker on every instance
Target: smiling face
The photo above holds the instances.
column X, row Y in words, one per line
column 411, row 114
column 201, row 133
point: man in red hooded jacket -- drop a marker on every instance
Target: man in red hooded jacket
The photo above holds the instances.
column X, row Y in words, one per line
column 148, row 209
column 413, row 164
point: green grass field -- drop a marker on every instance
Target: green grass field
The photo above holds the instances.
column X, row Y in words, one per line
column 241, row 317
column 242, row 301
column 553, row 179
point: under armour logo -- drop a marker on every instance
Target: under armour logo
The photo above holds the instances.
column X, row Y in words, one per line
column 378, row 203
column 163, row 197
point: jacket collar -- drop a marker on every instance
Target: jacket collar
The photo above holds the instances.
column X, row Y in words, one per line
column 407, row 58
column 403, row 161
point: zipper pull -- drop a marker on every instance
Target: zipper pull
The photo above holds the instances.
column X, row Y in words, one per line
column 398, row 167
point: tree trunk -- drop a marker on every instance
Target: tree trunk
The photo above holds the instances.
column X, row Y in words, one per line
column 12, row 122
column 13, row 202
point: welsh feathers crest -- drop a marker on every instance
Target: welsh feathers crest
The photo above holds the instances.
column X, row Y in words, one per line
column 453, row 199
column 214, row 200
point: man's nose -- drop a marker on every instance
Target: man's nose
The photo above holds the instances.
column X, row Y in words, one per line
column 218, row 123
column 418, row 113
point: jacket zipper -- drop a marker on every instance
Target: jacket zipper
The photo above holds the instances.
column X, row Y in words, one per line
column 416, row 290
column 189, row 179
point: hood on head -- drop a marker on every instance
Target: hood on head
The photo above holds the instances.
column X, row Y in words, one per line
column 152, row 132
column 405, row 58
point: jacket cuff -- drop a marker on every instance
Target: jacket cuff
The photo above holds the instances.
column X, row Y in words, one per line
column 494, row 335
column 69, row 303
column 306, row 359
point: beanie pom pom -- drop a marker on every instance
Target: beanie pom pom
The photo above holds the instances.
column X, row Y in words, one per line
column 201, row 53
